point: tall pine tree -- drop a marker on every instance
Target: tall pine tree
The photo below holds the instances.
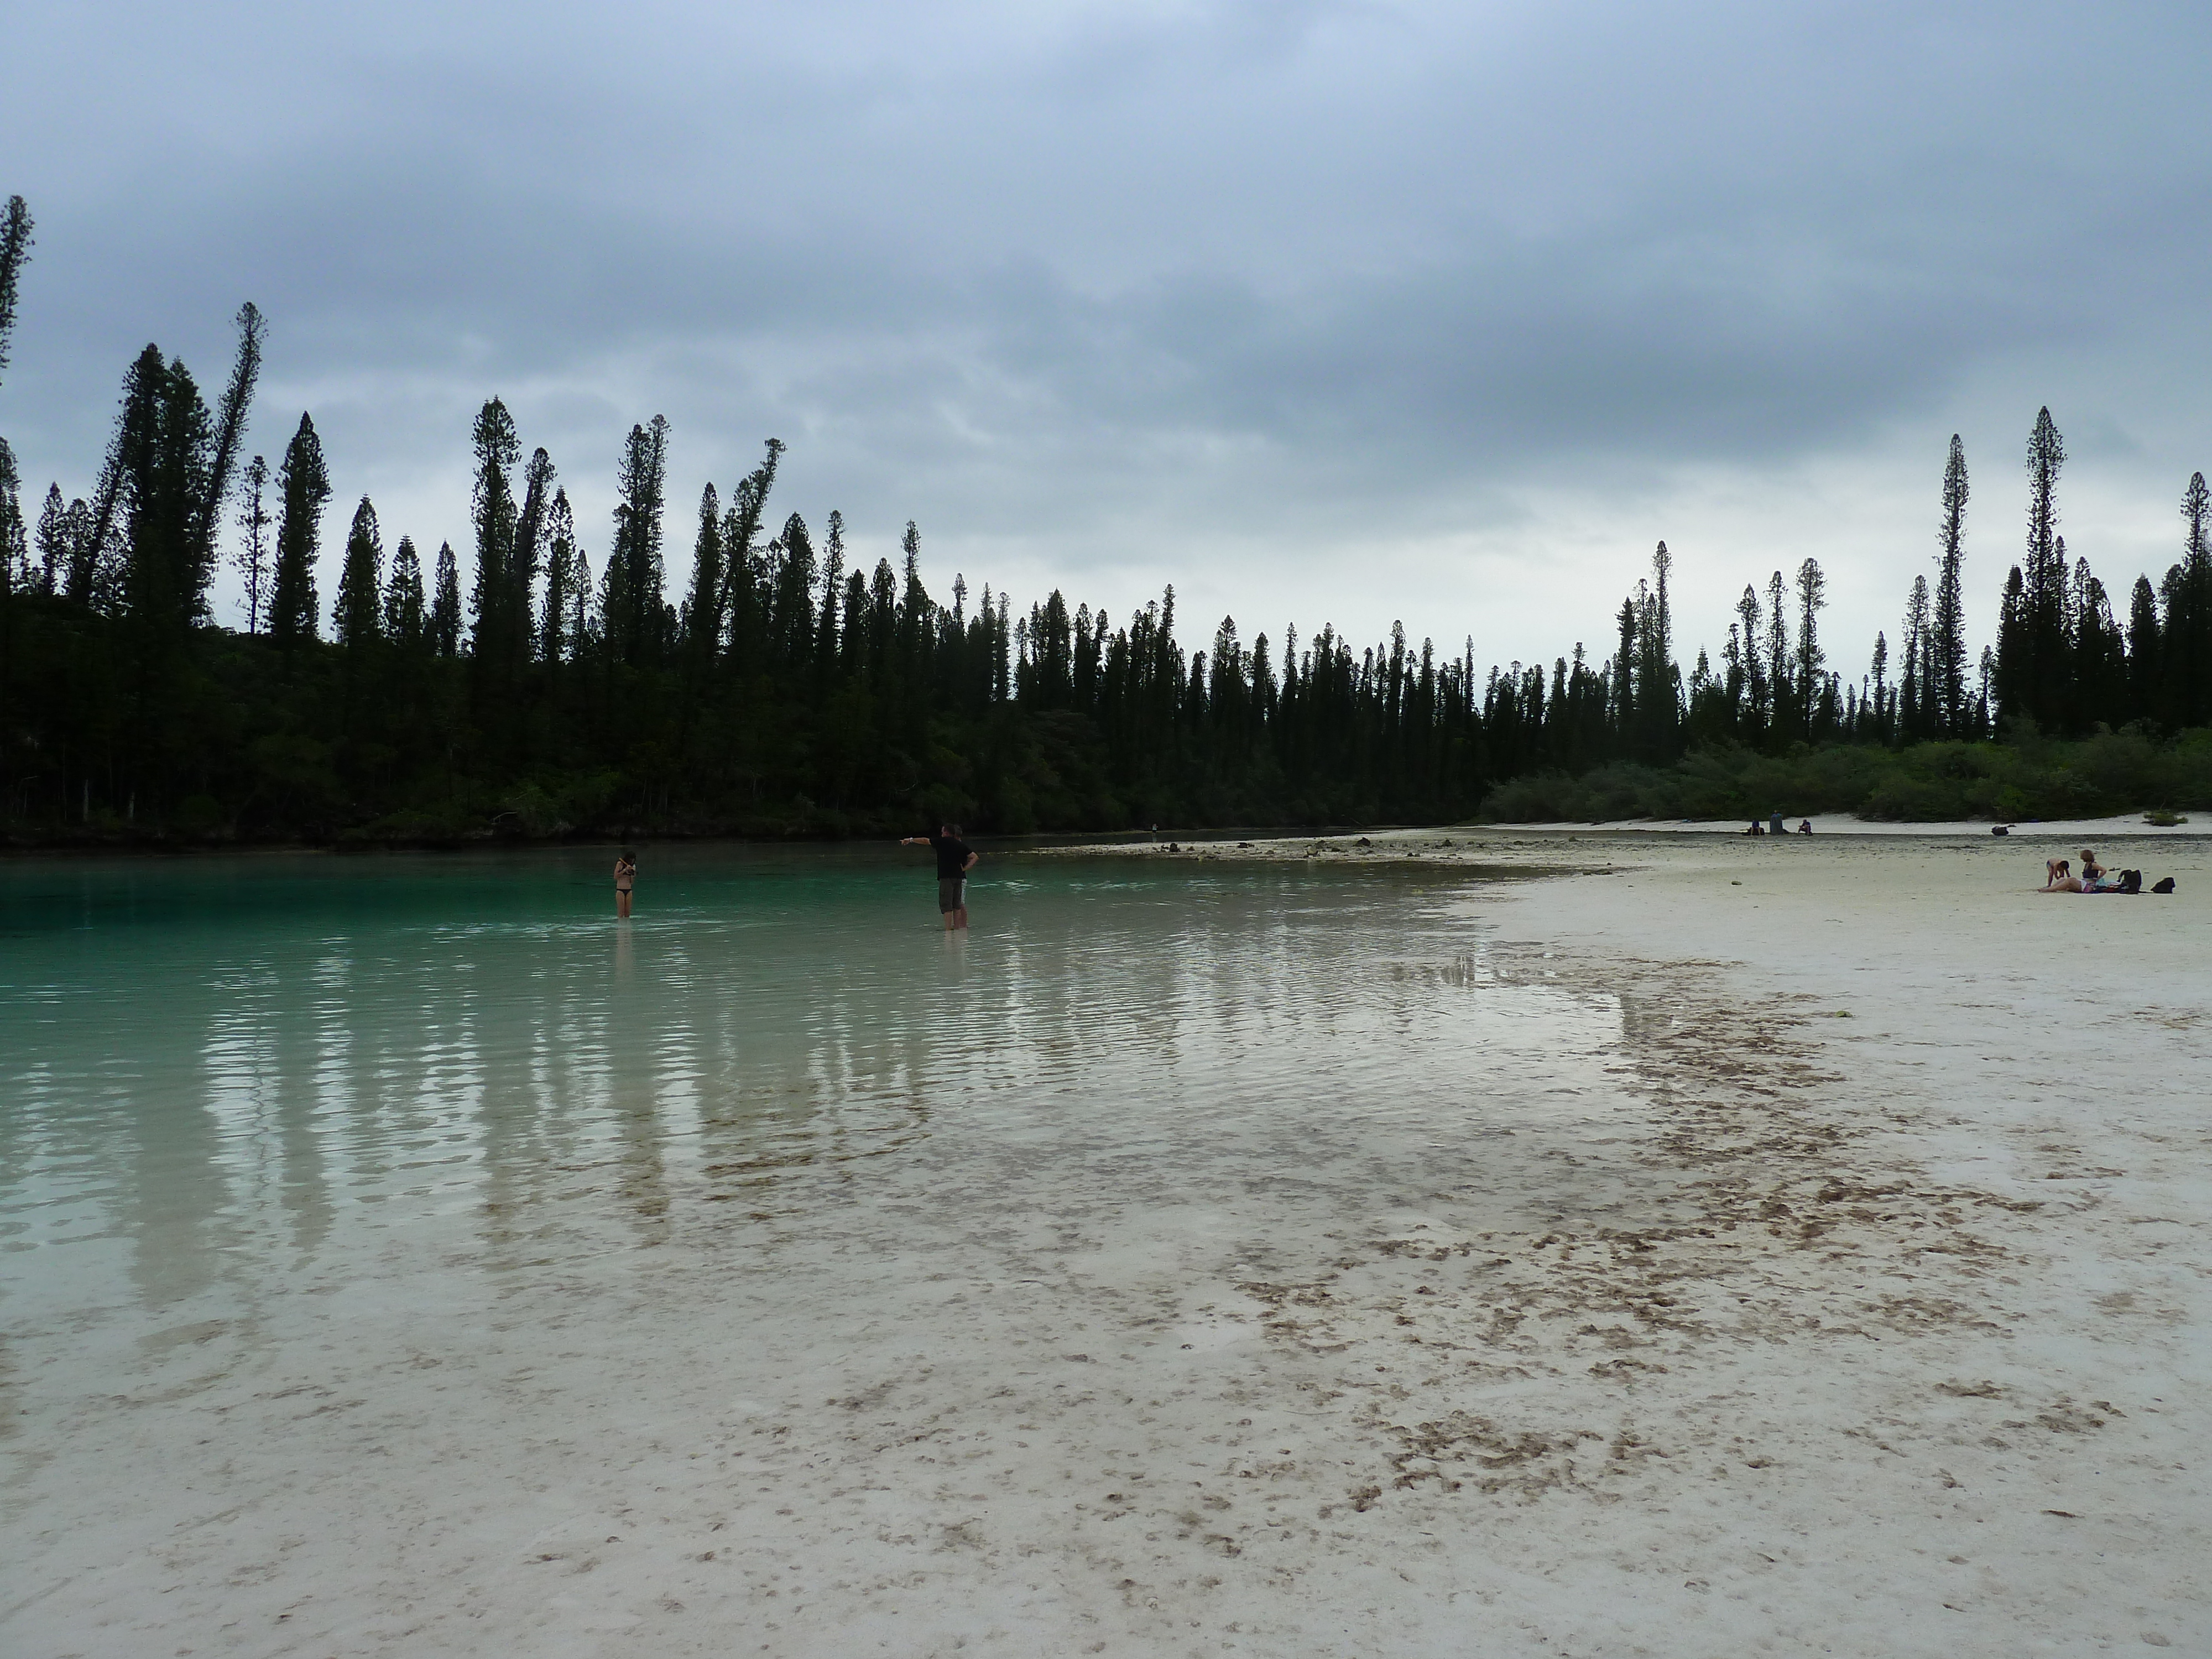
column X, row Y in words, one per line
column 14, row 540
column 446, row 604
column 833, row 578
column 1945, row 658
column 2100, row 654
column 532, row 527
column 2145, row 654
column 2037, row 681
column 168, row 470
column 1880, row 696
column 1658, row 675
column 405, row 618
column 492, row 508
column 634, row 577
column 1812, row 599
column 559, row 578
column 254, row 522
column 703, row 612
column 303, row 488
column 357, row 617
column 1786, row 716
column 2188, row 631
column 1757, row 690
column 1914, row 701
column 15, row 544
column 14, row 253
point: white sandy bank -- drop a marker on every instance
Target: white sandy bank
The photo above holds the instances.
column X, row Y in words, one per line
column 2125, row 824
column 1930, row 1373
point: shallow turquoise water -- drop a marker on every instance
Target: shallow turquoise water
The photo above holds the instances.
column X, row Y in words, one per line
column 213, row 1068
column 333, row 1191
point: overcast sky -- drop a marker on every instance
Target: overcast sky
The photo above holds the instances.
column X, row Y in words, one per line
column 1323, row 313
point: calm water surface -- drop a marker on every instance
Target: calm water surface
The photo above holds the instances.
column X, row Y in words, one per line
column 223, row 1075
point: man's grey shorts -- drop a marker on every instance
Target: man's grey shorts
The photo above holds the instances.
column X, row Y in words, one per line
column 952, row 893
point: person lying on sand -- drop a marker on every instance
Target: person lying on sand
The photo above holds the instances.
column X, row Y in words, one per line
column 2058, row 879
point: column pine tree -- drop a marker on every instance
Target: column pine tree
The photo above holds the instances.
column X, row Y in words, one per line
column 303, row 486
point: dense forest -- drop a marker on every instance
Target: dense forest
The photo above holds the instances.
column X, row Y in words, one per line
column 512, row 689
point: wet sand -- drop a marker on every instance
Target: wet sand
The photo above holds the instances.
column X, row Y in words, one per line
column 1862, row 1308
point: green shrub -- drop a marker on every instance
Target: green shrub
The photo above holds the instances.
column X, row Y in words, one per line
column 199, row 814
column 2028, row 775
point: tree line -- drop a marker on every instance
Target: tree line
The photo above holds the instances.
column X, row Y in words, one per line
column 788, row 689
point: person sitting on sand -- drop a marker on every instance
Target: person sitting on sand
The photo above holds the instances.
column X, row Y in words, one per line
column 1804, row 826
column 2093, row 874
column 2061, row 880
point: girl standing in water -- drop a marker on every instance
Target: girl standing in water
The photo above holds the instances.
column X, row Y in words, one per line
column 625, row 880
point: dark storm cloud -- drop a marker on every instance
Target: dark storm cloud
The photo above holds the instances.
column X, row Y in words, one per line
column 1094, row 281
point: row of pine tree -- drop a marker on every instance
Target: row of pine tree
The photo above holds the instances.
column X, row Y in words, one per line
column 783, row 689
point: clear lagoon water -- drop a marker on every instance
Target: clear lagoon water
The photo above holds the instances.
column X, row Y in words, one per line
column 285, row 1128
column 216, row 1069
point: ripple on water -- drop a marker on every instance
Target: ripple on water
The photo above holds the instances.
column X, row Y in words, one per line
column 229, row 1079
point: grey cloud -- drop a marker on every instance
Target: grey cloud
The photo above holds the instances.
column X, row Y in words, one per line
column 1183, row 275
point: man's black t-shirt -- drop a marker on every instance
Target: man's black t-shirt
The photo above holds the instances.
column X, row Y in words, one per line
column 952, row 856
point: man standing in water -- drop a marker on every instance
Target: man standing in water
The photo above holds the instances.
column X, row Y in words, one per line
column 955, row 858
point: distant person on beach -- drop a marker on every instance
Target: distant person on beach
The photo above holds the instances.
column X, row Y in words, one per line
column 2060, row 877
column 1775, row 825
column 955, row 858
column 2093, row 874
column 1755, row 830
column 1804, row 826
column 625, row 880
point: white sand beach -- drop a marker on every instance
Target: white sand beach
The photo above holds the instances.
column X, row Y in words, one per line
column 1863, row 1307
column 2128, row 825
column 2124, row 826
